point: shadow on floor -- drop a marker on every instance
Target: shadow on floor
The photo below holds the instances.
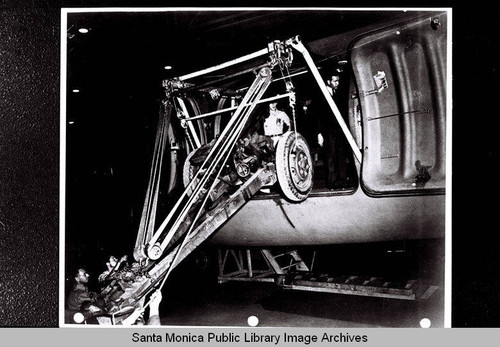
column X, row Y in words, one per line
column 231, row 304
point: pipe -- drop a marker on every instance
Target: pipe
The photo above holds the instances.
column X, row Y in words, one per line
column 224, row 65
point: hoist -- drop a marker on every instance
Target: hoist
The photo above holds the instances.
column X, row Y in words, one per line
column 225, row 166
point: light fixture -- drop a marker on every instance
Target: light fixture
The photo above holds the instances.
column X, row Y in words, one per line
column 168, row 67
column 83, row 30
column 76, row 90
column 71, row 122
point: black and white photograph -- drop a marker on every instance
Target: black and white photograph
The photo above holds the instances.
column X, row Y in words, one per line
column 255, row 167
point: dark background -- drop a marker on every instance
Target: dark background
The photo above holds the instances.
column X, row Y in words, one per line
column 29, row 162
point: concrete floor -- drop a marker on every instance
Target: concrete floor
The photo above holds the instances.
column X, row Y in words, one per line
column 231, row 304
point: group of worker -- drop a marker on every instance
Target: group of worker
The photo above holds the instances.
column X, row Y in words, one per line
column 80, row 299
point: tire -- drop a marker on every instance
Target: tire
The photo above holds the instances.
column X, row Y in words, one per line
column 294, row 166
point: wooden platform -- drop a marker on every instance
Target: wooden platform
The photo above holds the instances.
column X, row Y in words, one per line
column 361, row 285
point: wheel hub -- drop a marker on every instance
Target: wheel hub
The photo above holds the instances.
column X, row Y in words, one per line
column 299, row 166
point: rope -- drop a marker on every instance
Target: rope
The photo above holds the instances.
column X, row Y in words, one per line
column 291, row 91
column 148, row 214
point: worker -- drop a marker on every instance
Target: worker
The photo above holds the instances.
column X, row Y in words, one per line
column 332, row 85
column 112, row 265
column 276, row 123
column 338, row 159
column 79, row 294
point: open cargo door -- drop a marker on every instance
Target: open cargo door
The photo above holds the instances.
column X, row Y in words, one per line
column 400, row 74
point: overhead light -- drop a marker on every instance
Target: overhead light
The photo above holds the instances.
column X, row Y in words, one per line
column 83, row 30
column 168, row 67
column 71, row 122
column 76, row 90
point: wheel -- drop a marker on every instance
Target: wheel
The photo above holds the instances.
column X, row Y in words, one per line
column 294, row 166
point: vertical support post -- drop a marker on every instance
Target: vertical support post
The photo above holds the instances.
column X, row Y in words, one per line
column 313, row 260
column 221, row 262
column 249, row 261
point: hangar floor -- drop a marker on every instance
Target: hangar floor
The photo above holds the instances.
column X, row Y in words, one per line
column 231, row 304
column 193, row 298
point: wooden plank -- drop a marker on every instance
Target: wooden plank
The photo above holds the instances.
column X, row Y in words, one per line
column 246, row 279
column 349, row 292
column 354, row 288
